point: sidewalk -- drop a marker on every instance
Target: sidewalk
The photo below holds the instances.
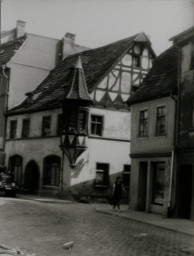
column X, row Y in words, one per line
column 178, row 225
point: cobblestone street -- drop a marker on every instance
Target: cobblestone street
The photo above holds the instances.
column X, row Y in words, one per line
column 43, row 228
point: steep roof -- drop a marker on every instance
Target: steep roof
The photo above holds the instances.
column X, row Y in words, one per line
column 96, row 64
column 7, row 50
column 161, row 80
column 78, row 88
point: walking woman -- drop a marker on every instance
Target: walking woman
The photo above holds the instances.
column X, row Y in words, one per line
column 117, row 193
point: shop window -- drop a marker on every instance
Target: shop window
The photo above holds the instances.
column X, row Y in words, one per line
column 46, row 125
column 25, row 128
column 158, row 182
column 102, row 175
column 126, row 176
column 13, row 128
column 51, row 176
column 96, row 125
column 143, row 123
column 161, row 121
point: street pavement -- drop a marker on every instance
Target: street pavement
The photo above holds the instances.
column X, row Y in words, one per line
column 42, row 226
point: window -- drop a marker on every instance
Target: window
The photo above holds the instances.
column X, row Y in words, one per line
column 15, row 167
column 158, row 182
column 96, row 125
column 126, row 175
column 51, row 176
column 60, row 124
column 136, row 61
column 102, row 175
column 13, row 128
column 160, row 120
column 25, row 128
column 46, row 125
column 143, row 123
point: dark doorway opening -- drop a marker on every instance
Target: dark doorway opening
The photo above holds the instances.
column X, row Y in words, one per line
column 31, row 181
column 142, row 186
column 184, row 185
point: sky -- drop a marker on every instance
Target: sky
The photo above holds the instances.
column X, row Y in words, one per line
column 99, row 22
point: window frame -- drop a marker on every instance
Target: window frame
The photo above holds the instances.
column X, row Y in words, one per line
column 127, row 173
column 12, row 135
column 158, row 195
column 96, row 123
column 24, row 128
column 143, row 121
column 158, row 119
column 43, row 120
column 105, row 172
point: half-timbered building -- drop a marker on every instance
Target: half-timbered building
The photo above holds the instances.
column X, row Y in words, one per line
column 72, row 133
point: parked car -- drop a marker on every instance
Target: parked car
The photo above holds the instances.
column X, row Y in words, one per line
column 7, row 185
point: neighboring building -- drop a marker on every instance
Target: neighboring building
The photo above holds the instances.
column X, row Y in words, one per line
column 95, row 121
column 184, row 206
column 153, row 111
column 25, row 60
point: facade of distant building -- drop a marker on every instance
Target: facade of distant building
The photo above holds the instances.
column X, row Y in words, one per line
column 153, row 109
column 87, row 144
column 25, row 60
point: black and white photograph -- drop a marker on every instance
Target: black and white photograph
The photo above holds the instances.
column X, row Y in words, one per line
column 97, row 127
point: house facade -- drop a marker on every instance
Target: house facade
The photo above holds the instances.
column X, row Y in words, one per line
column 184, row 207
column 153, row 113
column 25, row 60
column 72, row 133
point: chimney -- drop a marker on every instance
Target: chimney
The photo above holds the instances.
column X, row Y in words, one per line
column 68, row 44
column 20, row 29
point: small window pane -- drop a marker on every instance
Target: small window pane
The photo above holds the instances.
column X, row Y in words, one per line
column 13, row 127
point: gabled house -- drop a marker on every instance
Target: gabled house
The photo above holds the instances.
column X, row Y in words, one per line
column 153, row 114
column 72, row 133
column 25, row 60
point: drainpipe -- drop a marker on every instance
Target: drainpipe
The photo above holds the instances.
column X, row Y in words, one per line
column 171, row 203
column 6, row 104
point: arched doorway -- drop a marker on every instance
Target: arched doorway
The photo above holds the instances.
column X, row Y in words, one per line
column 31, row 178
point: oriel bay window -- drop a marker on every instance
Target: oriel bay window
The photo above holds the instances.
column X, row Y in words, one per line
column 102, row 175
column 161, row 121
column 143, row 123
column 96, row 125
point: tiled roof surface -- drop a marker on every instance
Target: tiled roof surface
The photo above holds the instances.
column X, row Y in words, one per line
column 96, row 64
column 161, row 80
column 7, row 50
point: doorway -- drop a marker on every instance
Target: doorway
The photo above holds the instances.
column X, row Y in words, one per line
column 31, row 180
column 142, row 186
column 184, row 186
